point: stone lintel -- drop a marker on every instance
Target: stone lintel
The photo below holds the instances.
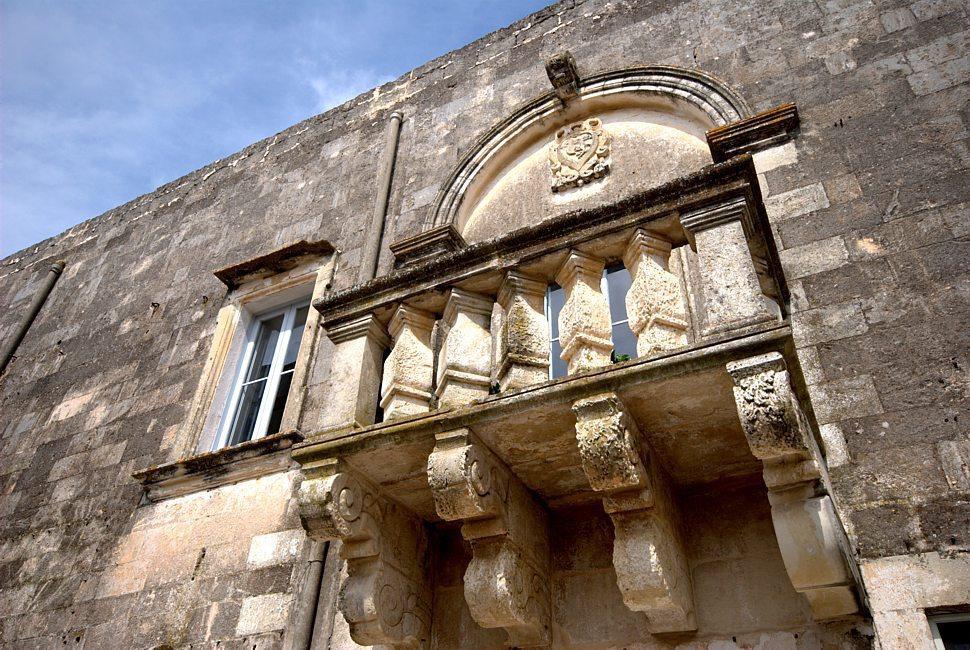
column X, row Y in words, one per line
column 507, row 580
column 426, row 244
column 386, row 596
column 648, row 550
column 810, row 535
column 766, row 129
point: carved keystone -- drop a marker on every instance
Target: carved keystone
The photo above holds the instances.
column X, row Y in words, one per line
column 563, row 75
column 386, row 597
column 584, row 322
column 406, row 388
column 464, row 362
column 730, row 292
column 648, row 551
column 524, row 342
column 506, row 582
column 809, row 533
column 654, row 302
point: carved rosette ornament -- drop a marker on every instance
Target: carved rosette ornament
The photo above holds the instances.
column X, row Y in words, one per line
column 810, row 535
column 648, row 550
column 506, row 582
column 386, row 597
column 580, row 154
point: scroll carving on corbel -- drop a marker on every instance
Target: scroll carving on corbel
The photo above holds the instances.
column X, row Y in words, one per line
column 648, row 551
column 810, row 536
column 506, row 582
column 386, row 597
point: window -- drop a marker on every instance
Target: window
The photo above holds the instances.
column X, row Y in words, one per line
column 259, row 392
column 951, row 631
column 615, row 284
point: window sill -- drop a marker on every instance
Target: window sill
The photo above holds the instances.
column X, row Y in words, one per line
column 212, row 469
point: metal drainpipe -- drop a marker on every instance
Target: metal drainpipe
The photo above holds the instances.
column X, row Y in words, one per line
column 39, row 299
column 301, row 627
column 372, row 251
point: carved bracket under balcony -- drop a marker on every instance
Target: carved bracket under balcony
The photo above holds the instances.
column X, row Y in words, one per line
column 648, row 550
column 507, row 580
column 809, row 533
column 386, row 597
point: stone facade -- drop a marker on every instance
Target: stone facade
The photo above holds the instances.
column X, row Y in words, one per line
column 783, row 465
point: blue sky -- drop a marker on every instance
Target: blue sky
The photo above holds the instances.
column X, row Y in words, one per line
column 104, row 100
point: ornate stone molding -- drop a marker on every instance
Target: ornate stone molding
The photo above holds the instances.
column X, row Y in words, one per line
column 648, row 550
column 584, row 322
column 810, row 536
column 580, row 154
column 426, row 245
column 464, row 362
column 506, row 582
column 654, row 304
column 408, row 370
column 523, row 354
column 386, row 596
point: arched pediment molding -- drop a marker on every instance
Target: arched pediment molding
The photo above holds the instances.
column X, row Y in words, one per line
column 710, row 101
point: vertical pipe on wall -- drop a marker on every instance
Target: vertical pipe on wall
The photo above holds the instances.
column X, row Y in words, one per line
column 300, row 631
column 10, row 345
column 372, row 248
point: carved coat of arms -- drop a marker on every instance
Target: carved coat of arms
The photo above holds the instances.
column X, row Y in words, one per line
column 580, row 154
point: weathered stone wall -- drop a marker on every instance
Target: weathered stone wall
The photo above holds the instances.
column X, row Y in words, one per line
column 869, row 209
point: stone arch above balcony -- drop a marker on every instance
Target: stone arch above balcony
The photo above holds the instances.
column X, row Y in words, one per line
column 655, row 119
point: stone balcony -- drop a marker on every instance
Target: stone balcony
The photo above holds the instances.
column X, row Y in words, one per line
column 451, row 354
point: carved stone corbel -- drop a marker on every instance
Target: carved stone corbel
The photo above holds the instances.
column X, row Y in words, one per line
column 654, row 303
column 648, row 551
column 506, row 582
column 809, row 533
column 386, row 597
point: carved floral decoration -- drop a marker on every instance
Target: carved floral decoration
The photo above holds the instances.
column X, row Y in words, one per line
column 580, row 154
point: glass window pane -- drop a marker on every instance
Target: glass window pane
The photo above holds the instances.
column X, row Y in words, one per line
column 276, row 416
column 955, row 634
column 624, row 342
column 296, row 334
column 269, row 332
column 558, row 365
column 557, row 298
column 618, row 281
column 246, row 412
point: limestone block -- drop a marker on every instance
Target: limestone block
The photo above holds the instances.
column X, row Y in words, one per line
column 408, row 370
column 648, row 550
column 386, row 596
column 654, row 304
column 584, row 322
column 730, row 293
column 507, row 581
column 355, row 373
column 524, row 341
column 810, row 536
column 464, row 362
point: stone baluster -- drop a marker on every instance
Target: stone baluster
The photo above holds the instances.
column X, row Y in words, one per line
column 524, row 340
column 408, row 370
column 648, row 549
column 386, row 596
column 810, row 536
column 654, row 303
column 730, row 293
column 355, row 373
column 584, row 322
column 464, row 362
column 507, row 580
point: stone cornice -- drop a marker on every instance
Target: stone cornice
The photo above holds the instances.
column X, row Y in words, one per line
column 714, row 184
column 281, row 259
column 766, row 129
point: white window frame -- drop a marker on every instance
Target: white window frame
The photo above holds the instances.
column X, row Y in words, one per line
column 604, row 289
column 268, row 398
column 944, row 618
